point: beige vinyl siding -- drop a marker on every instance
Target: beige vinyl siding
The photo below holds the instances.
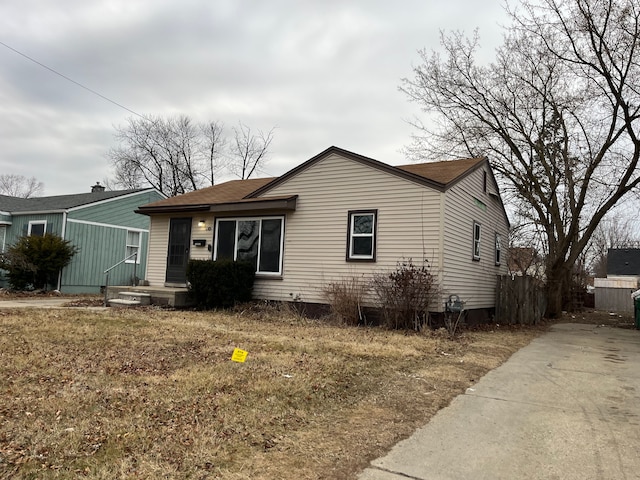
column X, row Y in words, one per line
column 474, row 281
column 157, row 257
column 316, row 233
column 201, row 233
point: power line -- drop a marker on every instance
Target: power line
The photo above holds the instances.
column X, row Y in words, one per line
column 70, row 79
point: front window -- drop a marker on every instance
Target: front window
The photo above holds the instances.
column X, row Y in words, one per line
column 133, row 246
column 256, row 240
column 37, row 228
column 476, row 241
column 3, row 236
column 362, row 236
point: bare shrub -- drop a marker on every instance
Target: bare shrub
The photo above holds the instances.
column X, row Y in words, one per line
column 345, row 297
column 405, row 294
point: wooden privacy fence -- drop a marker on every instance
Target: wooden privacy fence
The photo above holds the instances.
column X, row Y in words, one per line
column 519, row 300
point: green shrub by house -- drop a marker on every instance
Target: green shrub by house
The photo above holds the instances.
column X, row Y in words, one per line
column 220, row 283
column 34, row 262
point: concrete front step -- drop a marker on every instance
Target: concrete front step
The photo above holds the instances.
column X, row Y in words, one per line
column 122, row 303
column 141, row 298
column 171, row 296
column 130, row 299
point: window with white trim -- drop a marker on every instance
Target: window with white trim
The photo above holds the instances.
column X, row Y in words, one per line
column 476, row 240
column 37, row 228
column 133, row 246
column 257, row 240
column 3, row 237
column 361, row 239
column 498, row 249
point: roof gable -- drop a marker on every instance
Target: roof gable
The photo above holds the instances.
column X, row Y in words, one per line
column 239, row 194
column 437, row 175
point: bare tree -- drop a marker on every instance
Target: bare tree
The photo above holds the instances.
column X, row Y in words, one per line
column 248, row 150
column 213, row 146
column 176, row 155
column 19, row 186
column 556, row 113
column 159, row 152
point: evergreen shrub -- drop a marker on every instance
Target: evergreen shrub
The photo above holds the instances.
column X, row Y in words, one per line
column 34, row 262
column 220, row 283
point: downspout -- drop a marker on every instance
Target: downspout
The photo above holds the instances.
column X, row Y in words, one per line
column 62, row 234
column 441, row 240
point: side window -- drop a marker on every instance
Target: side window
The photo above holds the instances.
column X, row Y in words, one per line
column 133, row 246
column 476, row 240
column 498, row 249
column 3, row 237
column 37, row 228
column 361, row 238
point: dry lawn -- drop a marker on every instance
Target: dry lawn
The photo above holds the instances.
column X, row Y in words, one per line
column 153, row 394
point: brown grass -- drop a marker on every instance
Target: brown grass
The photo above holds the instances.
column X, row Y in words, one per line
column 153, row 394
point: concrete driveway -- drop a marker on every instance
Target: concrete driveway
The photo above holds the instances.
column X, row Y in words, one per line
column 565, row 407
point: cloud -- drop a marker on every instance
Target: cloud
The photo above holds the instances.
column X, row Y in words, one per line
column 324, row 73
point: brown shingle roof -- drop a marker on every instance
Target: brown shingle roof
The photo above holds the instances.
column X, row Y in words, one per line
column 231, row 191
column 442, row 172
column 436, row 174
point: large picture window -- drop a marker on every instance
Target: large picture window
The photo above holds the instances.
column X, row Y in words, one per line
column 257, row 240
column 361, row 240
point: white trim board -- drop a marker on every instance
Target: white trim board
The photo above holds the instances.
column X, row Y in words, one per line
column 107, row 225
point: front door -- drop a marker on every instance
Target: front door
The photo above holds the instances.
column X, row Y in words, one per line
column 178, row 250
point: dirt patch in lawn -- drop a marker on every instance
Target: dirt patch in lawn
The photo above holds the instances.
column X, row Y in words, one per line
column 595, row 317
column 154, row 394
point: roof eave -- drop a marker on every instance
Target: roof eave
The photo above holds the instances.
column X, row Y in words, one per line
column 39, row 212
column 280, row 204
column 172, row 209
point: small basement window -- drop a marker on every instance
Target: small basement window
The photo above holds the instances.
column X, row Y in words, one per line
column 361, row 238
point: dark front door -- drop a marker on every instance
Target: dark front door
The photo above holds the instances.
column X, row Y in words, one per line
column 178, row 251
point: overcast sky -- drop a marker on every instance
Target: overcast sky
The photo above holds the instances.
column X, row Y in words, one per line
column 321, row 72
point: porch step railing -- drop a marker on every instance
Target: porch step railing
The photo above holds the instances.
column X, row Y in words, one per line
column 106, row 273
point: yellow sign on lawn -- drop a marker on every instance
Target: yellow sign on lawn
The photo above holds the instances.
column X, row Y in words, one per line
column 239, row 355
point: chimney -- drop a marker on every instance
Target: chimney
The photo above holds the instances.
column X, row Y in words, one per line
column 97, row 188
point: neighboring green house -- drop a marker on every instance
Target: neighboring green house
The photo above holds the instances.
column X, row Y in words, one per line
column 101, row 224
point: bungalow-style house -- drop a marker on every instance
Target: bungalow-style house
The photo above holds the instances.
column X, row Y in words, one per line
column 340, row 214
column 623, row 277
column 102, row 225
